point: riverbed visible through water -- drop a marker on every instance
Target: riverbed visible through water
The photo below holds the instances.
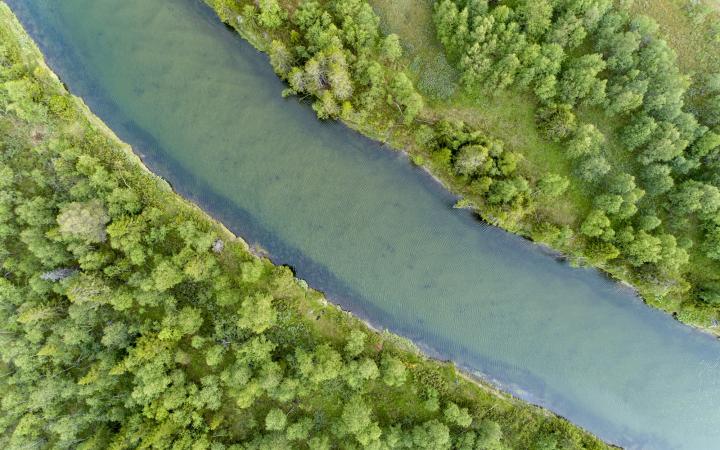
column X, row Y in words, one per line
column 378, row 235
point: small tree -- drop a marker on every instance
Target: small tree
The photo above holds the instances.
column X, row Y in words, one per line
column 644, row 248
column 657, row 178
column 595, row 224
column 404, row 97
column 257, row 313
column 271, row 14
column 355, row 343
column 457, row 416
column 586, row 141
column 470, row 158
column 280, row 58
column 578, row 81
column 553, row 185
column 84, row 220
column 609, row 203
column 557, row 121
column 489, row 435
column 592, row 168
column 275, row 420
column 537, row 15
column 712, row 243
column 393, row 371
column 648, row 222
column 391, row 50
column 638, row 131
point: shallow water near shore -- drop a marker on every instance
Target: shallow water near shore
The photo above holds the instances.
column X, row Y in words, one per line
column 377, row 234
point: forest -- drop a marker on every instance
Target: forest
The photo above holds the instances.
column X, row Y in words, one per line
column 625, row 172
column 130, row 319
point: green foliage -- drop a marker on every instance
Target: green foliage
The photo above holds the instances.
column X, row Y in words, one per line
column 596, row 224
column 489, row 435
column 257, row 313
column 84, row 221
column 275, row 420
column 280, row 58
column 393, row 369
column 333, row 51
column 402, row 94
column 391, row 49
column 470, row 159
column 271, row 13
column 553, row 185
column 643, row 248
column 355, row 343
column 457, row 416
column 557, row 121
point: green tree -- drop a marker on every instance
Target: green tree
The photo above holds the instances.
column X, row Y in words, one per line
column 404, row 97
column 579, row 81
column 586, row 141
column 638, row 131
column 557, row 121
column 355, row 343
column 257, row 313
column 457, row 416
column 431, row 435
column 357, row 420
column 687, row 198
column 644, row 248
column 537, row 16
column 391, row 50
column 553, row 185
column 271, row 14
column 452, row 27
column 664, row 144
column 166, row 276
column 470, row 159
column 657, row 178
column 609, row 203
column 322, row 364
column 648, row 222
column 300, row 430
column 592, row 168
column 393, row 371
column 596, row 224
column 489, row 435
column 275, row 420
column 712, row 243
column 84, row 220
column 280, row 58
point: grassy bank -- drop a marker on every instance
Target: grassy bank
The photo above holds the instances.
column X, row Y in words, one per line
column 130, row 319
column 486, row 145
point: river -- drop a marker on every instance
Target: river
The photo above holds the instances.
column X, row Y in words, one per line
column 378, row 235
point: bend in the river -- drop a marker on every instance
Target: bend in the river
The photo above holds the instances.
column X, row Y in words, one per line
column 378, row 235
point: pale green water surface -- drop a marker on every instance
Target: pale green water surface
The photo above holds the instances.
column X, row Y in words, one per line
column 378, row 235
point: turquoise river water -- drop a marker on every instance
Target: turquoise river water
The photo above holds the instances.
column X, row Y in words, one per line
column 378, row 235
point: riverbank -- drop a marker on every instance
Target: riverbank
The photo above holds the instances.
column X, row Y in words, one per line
column 553, row 222
column 50, row 119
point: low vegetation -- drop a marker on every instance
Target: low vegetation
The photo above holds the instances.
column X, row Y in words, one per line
column 568, row 121
column 129, row 319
